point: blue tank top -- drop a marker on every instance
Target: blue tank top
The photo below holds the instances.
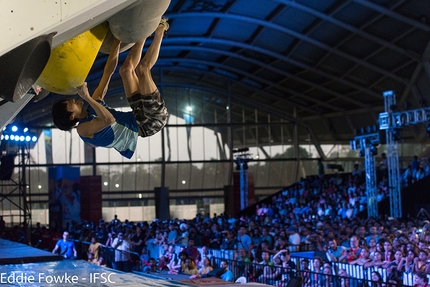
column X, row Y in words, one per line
column 121, row 135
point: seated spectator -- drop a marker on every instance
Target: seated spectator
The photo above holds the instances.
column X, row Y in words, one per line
column 151, row 267
column 227, row 275
column 190, row 267
column 162, row 263
column 334, row 251
column 94, row 252
column 376, row 280
column 420, row 279
column 363, row 258
column 420, row 262
column 388, row 258
column 288, row 266
column 177, row 265
column 170, row 253
column 263, row 268
column 144, row 258
column 372, row 247
column 353, row 251
column 407, row 262
column 393, row 274
column 344, row 280
column 328, row 279
column 376, row 262
column 241, row 261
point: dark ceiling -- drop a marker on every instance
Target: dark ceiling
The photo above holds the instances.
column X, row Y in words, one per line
column 321, row 63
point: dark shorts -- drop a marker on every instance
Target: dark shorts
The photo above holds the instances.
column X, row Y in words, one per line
column 150, row 112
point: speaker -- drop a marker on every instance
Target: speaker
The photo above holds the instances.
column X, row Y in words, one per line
column 7, row 165
column 162, row 205
column 295, row 282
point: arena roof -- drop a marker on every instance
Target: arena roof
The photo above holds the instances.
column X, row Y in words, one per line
column 323, row 64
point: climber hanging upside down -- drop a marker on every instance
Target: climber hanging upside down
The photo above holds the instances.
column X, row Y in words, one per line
column 102, row 126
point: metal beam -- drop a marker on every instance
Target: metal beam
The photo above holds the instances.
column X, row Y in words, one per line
column 294, row 34
column 350, row 28
column 223, row 42
column 392, row 14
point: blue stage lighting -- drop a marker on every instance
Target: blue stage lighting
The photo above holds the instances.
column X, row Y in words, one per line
column 14, row 128
column 12, row 137
column 34, row 139
column 25, row 130
column 6, row 137
column 28, row 138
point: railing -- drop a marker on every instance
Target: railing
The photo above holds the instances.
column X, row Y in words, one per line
column 108, row 254
column 281, row 276
column 358, row 274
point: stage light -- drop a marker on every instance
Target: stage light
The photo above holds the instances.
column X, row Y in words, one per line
column 34, row 139
column 25, row 130
column 22, row 138
column 27, row 138
column 2, row 137
column 14, row 128
column 12, row 137
column 6, row 137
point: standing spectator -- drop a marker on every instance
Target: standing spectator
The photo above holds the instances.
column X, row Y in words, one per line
column 137, row 240
column 228, row 242
column 266, row 236
column 173, row 234
column 111, row 237
column 185, row 235
column 293, row 238
column 321, row 171
column 244, row 240
column 66, row 247
column 373, row 234
column 122, row 253
column 191, row 251
column 415, row 164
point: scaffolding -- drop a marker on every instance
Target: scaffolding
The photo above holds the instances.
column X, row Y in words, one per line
column 14, row 191
column 367, row 144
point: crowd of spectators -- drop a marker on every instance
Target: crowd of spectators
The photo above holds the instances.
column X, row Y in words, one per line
column 320, row 213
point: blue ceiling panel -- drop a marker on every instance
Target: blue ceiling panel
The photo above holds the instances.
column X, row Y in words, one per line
column 256, row 8
column 294, row 19
column 233, row 29
column 190, row 26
